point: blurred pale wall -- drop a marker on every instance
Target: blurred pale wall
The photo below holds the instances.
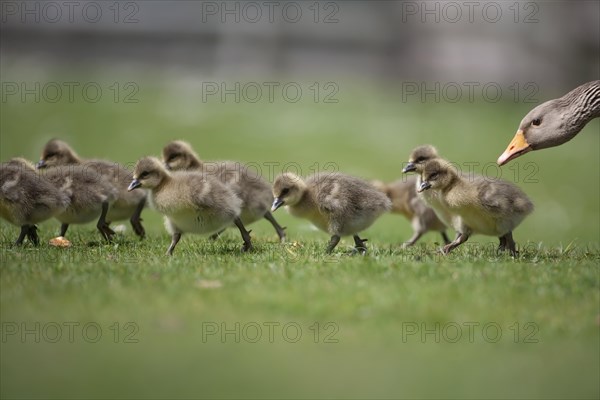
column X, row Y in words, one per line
column 553, row 43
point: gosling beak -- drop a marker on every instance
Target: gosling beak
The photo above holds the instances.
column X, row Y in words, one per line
column 424, row 186
column 134, row 185
column 40, row 164
column 516, row 148
column 277, row 203
column 409, row 168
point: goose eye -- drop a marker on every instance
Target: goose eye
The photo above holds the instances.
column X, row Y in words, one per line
column 536, row 122
column 420, row 159
column 433, row 176
column 144, row 175
column 173, row 156
column 284, row 191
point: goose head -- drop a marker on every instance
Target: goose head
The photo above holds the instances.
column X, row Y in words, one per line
column 555, row 122
column 148, row 173
column 437, row 175
column 56, row 152
column 288, row 189
column 544, row 126
column 419, row 156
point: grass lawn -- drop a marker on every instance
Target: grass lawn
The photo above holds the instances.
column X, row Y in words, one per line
column 123, row 320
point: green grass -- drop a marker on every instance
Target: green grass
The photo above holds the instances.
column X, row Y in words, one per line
column 551, row 294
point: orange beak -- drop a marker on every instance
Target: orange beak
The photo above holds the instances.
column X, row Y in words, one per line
column 517, row 147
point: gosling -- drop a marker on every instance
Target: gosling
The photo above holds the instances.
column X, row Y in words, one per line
column 406, row 202
column 26, row 199
column 190, row 201
column 89, row 193
column 488, row 207
column 338, row 204
column 127, row 205
column 252, row 189
column 417, row 159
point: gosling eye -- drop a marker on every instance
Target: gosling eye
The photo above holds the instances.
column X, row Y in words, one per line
column 284, row 191
column 173, row 156
column 433, row 176
column 536, row 122
column 50, row 155
column 144, row 175
column 420, row 159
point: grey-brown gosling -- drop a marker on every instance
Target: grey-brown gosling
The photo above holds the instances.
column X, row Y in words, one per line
column 488, row 207
column 90, row 195
column 555, row 122
column 190, row 201
column 416, row 161
column 26, row 199
column 338, row 204
column 251, row 188
column 128, row 205
column 406, row 202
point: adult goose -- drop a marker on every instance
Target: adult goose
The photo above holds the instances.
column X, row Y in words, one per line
column 555, row 122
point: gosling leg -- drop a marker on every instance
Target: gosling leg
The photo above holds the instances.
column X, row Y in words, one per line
column 136, row 220
column 445, row 237
column 416, row 236
column 335, row 239
column 278, row 228
column 63, row 229
column 32, row 235
column 359, row 244
column 460, row 239
column 245, row 235
column 502, row 245
column 174, row 240
column 102, row 226
column 509, row 244
column 22, row 234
